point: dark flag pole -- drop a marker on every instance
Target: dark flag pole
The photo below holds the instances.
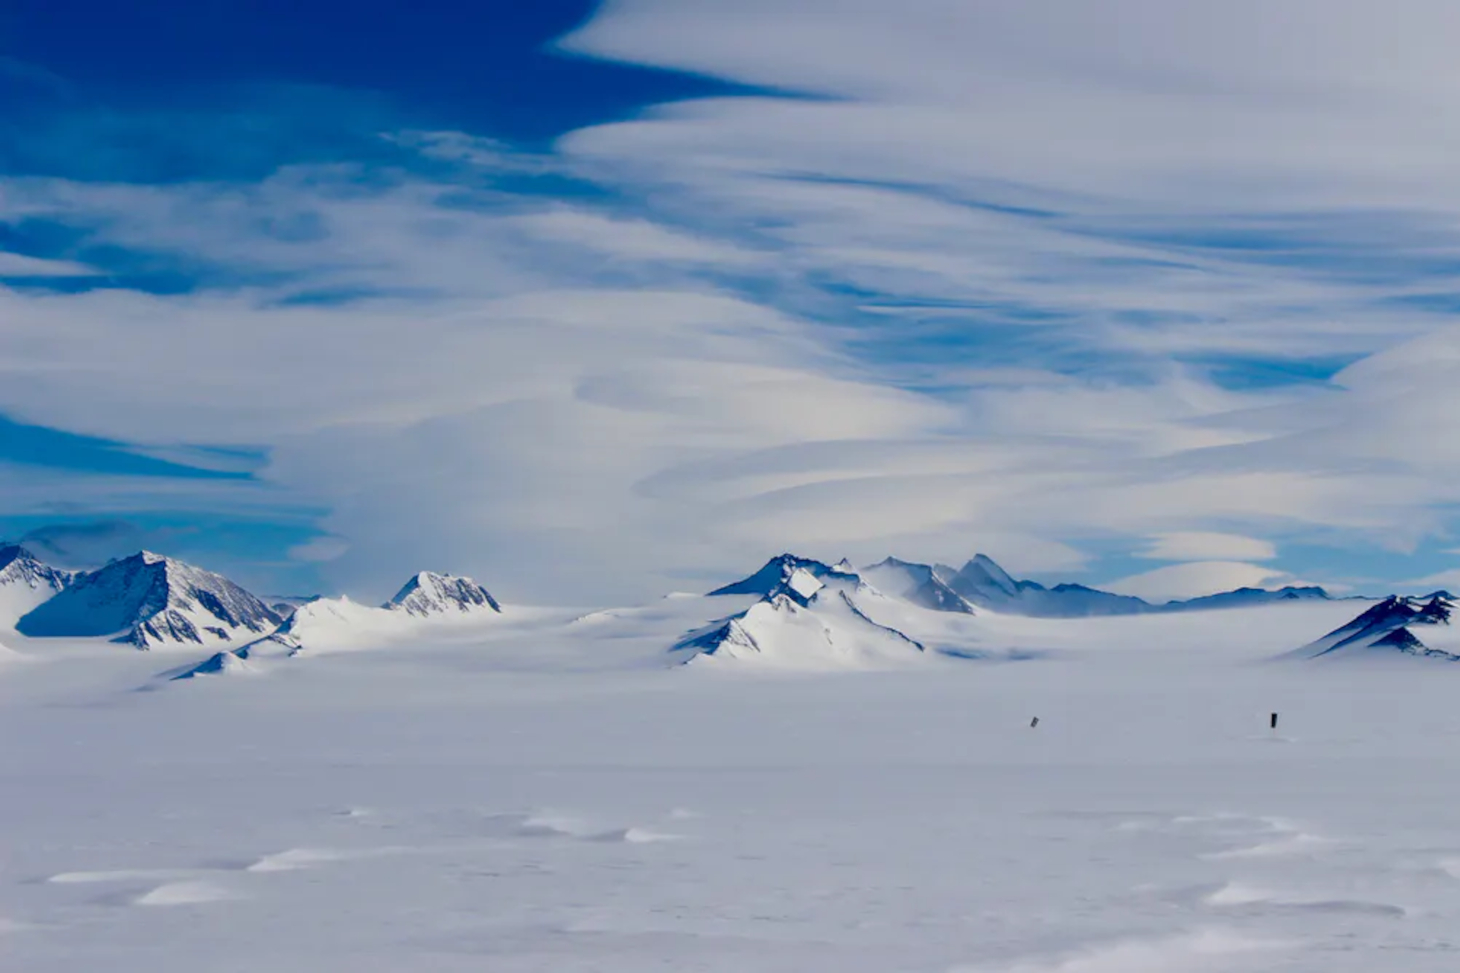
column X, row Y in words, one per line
column 1273, row 722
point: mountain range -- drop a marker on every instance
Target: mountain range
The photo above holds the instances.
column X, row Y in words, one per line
column 794, row 610
column 148, row 601
column 1388, row 626
column 982, row 583
column 807, row 613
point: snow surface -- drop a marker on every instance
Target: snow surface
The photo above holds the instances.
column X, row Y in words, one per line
column 544, row 791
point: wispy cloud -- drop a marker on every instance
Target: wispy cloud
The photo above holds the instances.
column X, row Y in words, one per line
column 1037, row 282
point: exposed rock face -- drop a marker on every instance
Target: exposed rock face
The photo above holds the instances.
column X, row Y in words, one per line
column 26, row 582
column 1387, row 626
column 149, row 600
column 429, row 594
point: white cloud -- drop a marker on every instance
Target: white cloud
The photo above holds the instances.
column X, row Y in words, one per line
column 1138, row 98
column 319, row 549
column 1180, row 581
column 1440, row 580
column 629, row 239
column 973, row 301
column 1205, row 546
column 19, row 265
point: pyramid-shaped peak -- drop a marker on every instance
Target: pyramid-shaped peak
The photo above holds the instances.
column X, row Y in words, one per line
column 430, row 593
column 148, row 599
column 26, row 582
column 986, row 568
column 12, row 551
column 18, row 559
column 1436, row 611
column 777, row 571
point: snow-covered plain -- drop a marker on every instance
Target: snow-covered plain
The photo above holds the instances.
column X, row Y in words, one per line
column 542, row 790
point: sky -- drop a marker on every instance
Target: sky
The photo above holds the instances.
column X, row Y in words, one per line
column 595, row 302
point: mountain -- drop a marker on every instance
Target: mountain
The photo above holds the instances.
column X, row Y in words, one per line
column 225, row 663
column 339, row 624
column 920, row 584
column 1246, row 597
column 430, row 594
column 1387, row 626
column 149, row 600
column 327, row 623
column 775, row 572
column 26, row 582
column 805, row 620
column 984, row 584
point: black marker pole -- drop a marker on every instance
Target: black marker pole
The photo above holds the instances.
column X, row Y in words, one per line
column 1273, row 722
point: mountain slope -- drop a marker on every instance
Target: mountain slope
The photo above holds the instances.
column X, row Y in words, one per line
column 777, row 570
column 805, row 621
column 920, row 584
column 1245, row 597
column 430, row 594
column 1387, row 627
column 149, row 600
column 339, row 624
column 983, row 583
column 26, row 582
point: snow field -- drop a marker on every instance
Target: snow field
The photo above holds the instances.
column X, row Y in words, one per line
column 539, row 793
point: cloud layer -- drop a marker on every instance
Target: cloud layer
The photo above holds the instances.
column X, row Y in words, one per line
column 1048, row 283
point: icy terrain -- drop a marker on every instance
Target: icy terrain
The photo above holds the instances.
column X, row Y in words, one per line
column 549, row 790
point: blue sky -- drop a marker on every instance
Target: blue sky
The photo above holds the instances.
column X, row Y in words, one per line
column 597, row 302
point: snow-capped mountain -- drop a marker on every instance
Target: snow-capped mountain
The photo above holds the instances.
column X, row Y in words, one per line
column 339, row 624
column 921, row 584
column 983, row 583
column 1386, row 627
column 25, row 582
column 812, row 617
column 774, row 574
column 327, row 623
column 1247, row 597
column 149, row 600
column 430, row 594
column 226, row 663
